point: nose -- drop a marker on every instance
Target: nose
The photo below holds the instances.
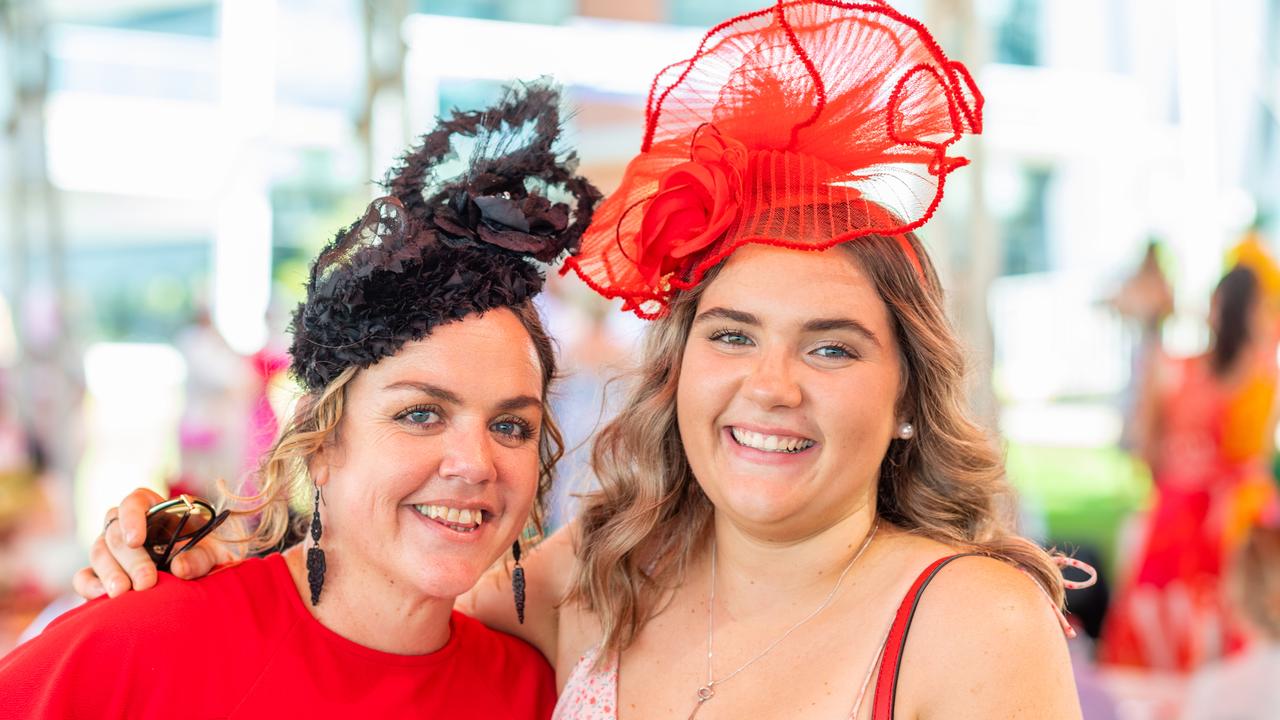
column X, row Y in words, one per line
column 772, row 382
column 468, row 455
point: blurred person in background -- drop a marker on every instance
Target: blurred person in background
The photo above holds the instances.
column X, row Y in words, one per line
column 595, row 350
column 1146, row 299
column 1204, row 426
column 270, row 386
column 1247, row 687
column 25, row 515
column 422, row 446
column 21, row 461
column 219, row 392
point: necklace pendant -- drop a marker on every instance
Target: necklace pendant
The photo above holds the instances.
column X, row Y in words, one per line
column 705, row 693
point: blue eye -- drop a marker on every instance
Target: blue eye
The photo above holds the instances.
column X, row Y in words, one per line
column 419, row 416
column 730, row 337
column 515, row 428
column 835, row 352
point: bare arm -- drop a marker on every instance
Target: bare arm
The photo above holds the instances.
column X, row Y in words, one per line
column 1146, row 412
column 548, row 570
column 985, row 643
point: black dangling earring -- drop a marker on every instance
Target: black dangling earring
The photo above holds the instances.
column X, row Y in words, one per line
column 315, row 556
column 517, row 582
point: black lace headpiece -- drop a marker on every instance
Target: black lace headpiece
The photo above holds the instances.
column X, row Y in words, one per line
column 443, row 245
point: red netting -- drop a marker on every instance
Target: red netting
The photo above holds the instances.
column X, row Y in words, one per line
column 804, row 125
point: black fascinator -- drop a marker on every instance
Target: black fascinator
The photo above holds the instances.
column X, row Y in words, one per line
column 453, row 237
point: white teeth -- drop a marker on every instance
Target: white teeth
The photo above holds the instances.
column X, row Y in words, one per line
column 455, row 516
column 771, row 443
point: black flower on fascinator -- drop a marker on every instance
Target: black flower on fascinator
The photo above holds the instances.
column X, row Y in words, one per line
column 450, row 239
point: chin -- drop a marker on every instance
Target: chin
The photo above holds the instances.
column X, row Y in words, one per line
column 762, row 501
column 448, row 577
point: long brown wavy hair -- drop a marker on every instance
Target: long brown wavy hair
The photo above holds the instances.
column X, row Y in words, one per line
column 283, row 475
column 644, row 524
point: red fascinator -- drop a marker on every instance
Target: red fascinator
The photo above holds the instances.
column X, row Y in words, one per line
column 802, row 125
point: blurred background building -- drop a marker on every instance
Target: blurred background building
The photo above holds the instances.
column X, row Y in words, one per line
column 169, row 167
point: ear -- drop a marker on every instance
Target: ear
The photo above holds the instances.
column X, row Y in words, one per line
column 318, row 469
column 327, row 457
column 901, row 405
column 904, row 410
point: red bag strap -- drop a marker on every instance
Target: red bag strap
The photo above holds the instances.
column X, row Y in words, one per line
column 891, row 659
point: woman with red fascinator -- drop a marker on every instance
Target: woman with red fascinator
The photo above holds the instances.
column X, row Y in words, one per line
column 796, row 518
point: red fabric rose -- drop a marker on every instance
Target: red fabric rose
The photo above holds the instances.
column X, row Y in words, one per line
column 695, row 204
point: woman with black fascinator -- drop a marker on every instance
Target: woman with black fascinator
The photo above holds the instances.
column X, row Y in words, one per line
column 423, row 444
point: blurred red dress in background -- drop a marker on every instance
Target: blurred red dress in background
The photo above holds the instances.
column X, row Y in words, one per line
column 1209, row 459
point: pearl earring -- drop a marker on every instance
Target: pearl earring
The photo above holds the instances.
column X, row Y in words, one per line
column 906, row 431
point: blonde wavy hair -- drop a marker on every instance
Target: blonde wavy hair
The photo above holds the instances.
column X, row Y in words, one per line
column 643, row 525
column 283, row 476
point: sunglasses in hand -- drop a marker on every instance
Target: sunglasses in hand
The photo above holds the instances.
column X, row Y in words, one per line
column 175, row 526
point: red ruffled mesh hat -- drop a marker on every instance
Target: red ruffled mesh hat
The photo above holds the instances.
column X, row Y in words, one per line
column 803, row 125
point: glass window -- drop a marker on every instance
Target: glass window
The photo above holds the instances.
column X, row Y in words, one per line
column 138, row 292
column 708, row 13
column 1025, row 231
column 547, row 12
column 200, row 19
column 1017, row 33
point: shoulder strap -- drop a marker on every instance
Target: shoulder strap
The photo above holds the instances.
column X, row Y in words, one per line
column 891, row 659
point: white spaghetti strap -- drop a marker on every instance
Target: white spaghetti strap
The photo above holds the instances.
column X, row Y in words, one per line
column 1063, row 561
column 871, row 672
column 1070, row 562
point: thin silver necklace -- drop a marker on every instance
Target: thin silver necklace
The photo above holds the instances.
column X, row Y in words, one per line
column 708, row 691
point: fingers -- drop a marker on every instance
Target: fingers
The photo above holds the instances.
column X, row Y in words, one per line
column 121, row 566
column 103, row 565
column 196, row 562
column 87, row 585
column 118, row 561
column 133, row 515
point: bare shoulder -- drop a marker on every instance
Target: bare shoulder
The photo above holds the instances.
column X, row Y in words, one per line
column 1004, row 596
column 557, row 556
column 986, row 642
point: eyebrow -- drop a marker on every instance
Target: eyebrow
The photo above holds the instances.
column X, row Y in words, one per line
column 518, row 402
column 849, row 324
column 721, row 313
column 812, row 326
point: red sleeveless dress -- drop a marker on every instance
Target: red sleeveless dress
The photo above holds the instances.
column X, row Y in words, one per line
column 1211, row 483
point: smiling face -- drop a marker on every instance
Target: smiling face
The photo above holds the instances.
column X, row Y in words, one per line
column 435, row 467
column 787, row 391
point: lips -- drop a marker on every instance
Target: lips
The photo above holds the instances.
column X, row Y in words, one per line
column 771, row 442
column 458, row 519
